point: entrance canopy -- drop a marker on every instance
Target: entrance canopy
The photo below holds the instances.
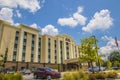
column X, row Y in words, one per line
column 74, row 60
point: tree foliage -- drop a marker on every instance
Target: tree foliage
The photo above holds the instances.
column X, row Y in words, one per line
column 114, row 56
column 89, row 49
column 109, row 64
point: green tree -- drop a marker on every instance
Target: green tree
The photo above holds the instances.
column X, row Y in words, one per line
column 89, row 50
column 3, row 58
column 114, row 56
column 116, row 63
column 109, row 64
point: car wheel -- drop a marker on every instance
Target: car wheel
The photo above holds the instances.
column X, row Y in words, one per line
column 35, row 76
column 48, row 77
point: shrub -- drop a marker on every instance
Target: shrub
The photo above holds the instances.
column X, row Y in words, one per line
column 100, row 75
column 15, row 76
column 111, row 75
column 75, row 75
column 83, row 76
column 92, row 77
column 67, row 76
column 1, row 76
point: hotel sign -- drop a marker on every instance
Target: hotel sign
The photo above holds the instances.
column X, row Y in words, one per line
column 67, row 39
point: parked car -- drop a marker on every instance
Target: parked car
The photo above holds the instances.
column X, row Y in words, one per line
column 25, row 71
column 46, row 72
column 3, row 70
column 10, row 71
column 96, row 69
column 115, row 68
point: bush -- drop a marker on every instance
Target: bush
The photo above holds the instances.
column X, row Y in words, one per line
column 111, row 75
column 75, row 75
column 15, row 76
column 1, row 76
column 83, row 76
column 92, row 77
column 67, row 76
column 100, row 75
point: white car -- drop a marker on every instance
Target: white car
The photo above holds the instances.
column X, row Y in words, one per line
column 96, row 69
column 26, row 71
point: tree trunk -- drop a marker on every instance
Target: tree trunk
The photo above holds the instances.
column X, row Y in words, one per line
column 92, row 67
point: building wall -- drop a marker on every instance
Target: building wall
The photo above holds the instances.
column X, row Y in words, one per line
column 24, row 46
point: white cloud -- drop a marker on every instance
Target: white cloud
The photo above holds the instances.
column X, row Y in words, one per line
column 32, row 5
column 67, row 22
column 106, row 38
column 50, row 30
column 101, row 21
column 6, row 14
column 77, row 18
column 34, row 25
column 80, row 10
column 110, row 46
column 18, row 14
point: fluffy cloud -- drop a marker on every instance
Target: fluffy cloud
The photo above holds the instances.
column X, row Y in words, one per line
column 67, row 22
column 50, row 30
column 32, row 5
column 101, row 20
column 110, row 46
column 77, row 18
column 18, row 14
column 34, row 25
column 6, row 14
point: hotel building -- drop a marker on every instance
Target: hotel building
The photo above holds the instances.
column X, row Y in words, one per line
column 27, row 48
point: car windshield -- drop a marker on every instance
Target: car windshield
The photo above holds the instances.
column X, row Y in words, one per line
column 49, row 69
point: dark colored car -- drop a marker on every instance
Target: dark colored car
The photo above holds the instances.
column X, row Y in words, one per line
column 45, row 72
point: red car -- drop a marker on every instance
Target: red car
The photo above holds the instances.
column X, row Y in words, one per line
column 45, row 72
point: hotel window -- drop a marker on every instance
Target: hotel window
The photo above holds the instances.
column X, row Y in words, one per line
column 25, row 35
column 32, row 48
column 15, row 46
column 39, row 49
column 24, row 46
column 67, row 50
column 49, row 56
column 61, row 52
column 55, row 51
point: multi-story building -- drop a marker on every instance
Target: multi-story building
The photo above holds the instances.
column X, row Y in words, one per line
column 27, row 48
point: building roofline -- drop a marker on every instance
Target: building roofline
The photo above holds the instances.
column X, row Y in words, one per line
column 5, row 22
column 22, row 26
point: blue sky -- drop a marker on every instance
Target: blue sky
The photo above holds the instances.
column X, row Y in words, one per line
column 77, row 18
